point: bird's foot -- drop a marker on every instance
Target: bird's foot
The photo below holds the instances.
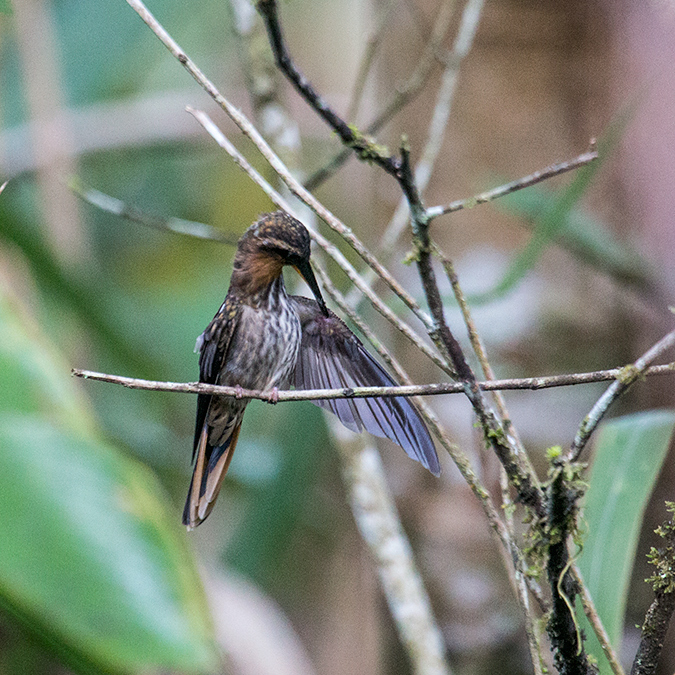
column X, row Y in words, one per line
column 274, row 396
column 239, row 392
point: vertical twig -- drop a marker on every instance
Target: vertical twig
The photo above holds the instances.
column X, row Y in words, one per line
column 660, row 612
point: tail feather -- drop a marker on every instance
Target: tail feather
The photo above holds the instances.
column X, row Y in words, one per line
column 207, row 476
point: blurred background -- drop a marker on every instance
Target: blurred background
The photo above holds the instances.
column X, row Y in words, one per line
column 87, row 91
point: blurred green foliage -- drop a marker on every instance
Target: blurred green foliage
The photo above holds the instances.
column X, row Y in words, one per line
column 95, row 564
column 629, row 453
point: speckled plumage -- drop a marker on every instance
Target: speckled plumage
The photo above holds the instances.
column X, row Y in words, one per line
column 263, row 338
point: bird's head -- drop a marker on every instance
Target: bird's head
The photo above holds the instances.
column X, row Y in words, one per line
column 275, row 240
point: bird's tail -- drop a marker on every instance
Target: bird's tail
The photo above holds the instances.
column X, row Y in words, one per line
column 211, row 465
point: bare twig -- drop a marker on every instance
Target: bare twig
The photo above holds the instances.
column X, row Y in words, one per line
column 660, row 612
column 507, row 503
column 625, row 379
column 119, row 208
column 596, row 623
column 531, row 383
column 514, row 186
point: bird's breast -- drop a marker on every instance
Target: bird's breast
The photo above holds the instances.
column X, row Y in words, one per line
column 265, row 347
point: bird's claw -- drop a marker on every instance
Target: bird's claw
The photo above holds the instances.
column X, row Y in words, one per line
column 274, row 395
column 239, row 392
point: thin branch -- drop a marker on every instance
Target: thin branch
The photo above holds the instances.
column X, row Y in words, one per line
column 119, row 208
column 661, row 610
column 506, row 189
column 596, row 622
column 507, row 503
column 529, row 383
column 624, row 380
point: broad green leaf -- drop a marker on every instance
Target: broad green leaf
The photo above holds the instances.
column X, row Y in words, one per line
column 628, row 457
column 92, row 558
column 42, row 377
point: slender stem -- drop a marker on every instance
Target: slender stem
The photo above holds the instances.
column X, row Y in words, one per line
column 531, row 383
column 506, row 189
column 625, row 379
column 507, row 504
column 596, row 622
column 481, row 354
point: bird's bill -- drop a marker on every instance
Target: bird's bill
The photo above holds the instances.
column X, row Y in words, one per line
column 307, row 273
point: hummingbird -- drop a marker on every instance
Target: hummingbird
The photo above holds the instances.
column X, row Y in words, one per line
column 262, row 338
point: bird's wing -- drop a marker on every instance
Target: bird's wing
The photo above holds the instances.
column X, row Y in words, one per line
column 211, row 462
column 332, row 357
column 213, row 345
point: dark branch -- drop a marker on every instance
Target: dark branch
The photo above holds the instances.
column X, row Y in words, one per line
column 364, row 147
column 566, row 640
column 661, row 611
column 495, row 434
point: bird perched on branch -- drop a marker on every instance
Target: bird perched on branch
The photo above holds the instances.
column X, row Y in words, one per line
column 262, row 338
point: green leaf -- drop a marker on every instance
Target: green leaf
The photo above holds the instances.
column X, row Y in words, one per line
column 93, row 560
column 26, row 357
column 628, row 457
